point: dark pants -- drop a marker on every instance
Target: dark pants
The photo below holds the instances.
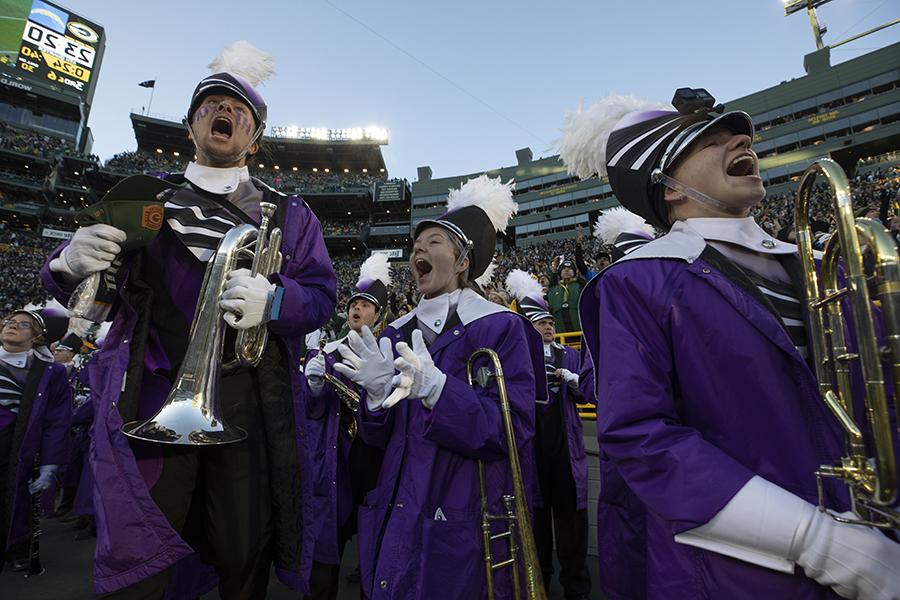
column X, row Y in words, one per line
column 570, row 525
column 324, row 580
column 218, row 498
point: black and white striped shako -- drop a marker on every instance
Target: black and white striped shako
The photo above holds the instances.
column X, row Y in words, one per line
column 626, row 139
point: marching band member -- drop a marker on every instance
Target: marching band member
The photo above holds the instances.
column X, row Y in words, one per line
column 420, row 528
column 252, row 504
column 622, row 231
column 560, row 512
column 707, row 407
column 346, row 467
column 35, row 400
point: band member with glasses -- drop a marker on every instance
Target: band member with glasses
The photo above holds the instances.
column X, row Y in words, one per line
column 35, row 405
column 708, row 409
column 250, row 505
column 420, row 530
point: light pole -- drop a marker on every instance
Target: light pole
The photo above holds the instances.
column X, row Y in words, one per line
column 792, row 6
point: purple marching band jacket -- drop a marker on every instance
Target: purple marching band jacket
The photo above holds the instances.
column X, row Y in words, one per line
column 78, row 472
column 645, row 318
column 419, row 529
column 571, row 360
column 134, row 539
column 40, row 428
column 332, row 492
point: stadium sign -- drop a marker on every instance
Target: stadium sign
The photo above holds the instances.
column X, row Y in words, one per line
column 390, row 252
column 51, row 45
column 15, row 84
column 57, row 233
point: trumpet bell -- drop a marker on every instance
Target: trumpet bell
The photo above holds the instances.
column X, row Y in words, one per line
column 184, row 421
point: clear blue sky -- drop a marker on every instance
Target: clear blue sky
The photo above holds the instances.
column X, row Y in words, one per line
column 459, row 85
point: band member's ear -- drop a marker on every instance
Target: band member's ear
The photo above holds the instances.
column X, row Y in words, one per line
column 670, row 195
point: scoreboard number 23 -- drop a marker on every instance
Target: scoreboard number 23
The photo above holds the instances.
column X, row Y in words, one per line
column 59, row 45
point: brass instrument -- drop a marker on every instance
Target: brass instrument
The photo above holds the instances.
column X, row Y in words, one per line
column 34, row 546
column 348, row 396
column 872, row 481
column 191, row 414
column 517, row 514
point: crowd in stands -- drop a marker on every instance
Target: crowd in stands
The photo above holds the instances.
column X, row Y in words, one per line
column 20, row 176
column 36, row 144
column 22, row 254
column 145, row 162
column 351, row 227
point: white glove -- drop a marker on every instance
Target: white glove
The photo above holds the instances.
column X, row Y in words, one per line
column 854, row 560
column 247, row 300
column 44, row 479
column 418, row 377
column 90, row 250
column 766, row 525
column 567, row 376
column 369, row 363
column 315, row 372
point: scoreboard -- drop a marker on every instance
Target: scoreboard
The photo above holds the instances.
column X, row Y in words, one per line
column 48, row 44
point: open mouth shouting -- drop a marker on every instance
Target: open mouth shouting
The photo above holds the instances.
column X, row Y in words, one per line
column 422, row 268
column 222, row 128
column 743, row 165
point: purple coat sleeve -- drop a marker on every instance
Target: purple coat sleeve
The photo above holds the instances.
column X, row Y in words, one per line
column 56, row 419
column 468, row 420
column 668, row 465
column 308, row 281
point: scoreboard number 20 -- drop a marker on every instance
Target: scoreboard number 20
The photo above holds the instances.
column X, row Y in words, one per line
column 59, row 45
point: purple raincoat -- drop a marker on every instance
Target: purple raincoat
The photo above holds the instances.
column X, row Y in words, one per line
column 573, row 429
column 332, row 495
column 420, row 528
column 699, row 388
column 41, row 427
column 134, row 538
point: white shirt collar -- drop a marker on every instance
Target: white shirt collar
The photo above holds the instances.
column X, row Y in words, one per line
column 433, row 312
column 215, row 180
column 15, row 359
column 743, row 232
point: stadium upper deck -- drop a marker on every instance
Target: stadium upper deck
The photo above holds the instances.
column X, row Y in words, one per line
column 847, row 111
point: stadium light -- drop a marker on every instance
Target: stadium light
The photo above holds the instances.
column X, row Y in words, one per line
column 277, row 167
column 159, row 150
column 262, row 166
column 176, row 153
column 315, row 170
column 353, row 134
column 381, row 170
column 295, row 168
column 346, row 170
column 327, row 170
column 364, row 170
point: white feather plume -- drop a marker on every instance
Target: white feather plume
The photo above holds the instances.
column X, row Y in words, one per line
column 376, row 267
column 490, row 195
column 582, row 145
column 488, row 275
column 615, row 221
column 245, row 60
column 521, row 284
column 102, row 331
column 79, row 326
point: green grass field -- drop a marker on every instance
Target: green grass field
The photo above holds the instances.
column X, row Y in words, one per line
column 13, row 14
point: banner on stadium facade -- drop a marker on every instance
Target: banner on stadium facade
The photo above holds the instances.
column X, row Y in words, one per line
column 390, row 252
column 57, row 233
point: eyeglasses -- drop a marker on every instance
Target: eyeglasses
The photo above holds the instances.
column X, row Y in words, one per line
column 18, row 324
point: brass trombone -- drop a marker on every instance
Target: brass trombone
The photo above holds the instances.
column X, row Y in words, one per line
column 872, row 480
column 348, row 396
column 517, row 514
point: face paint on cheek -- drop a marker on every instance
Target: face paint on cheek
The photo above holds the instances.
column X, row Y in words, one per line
column 202, row 112
column 244, row 122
